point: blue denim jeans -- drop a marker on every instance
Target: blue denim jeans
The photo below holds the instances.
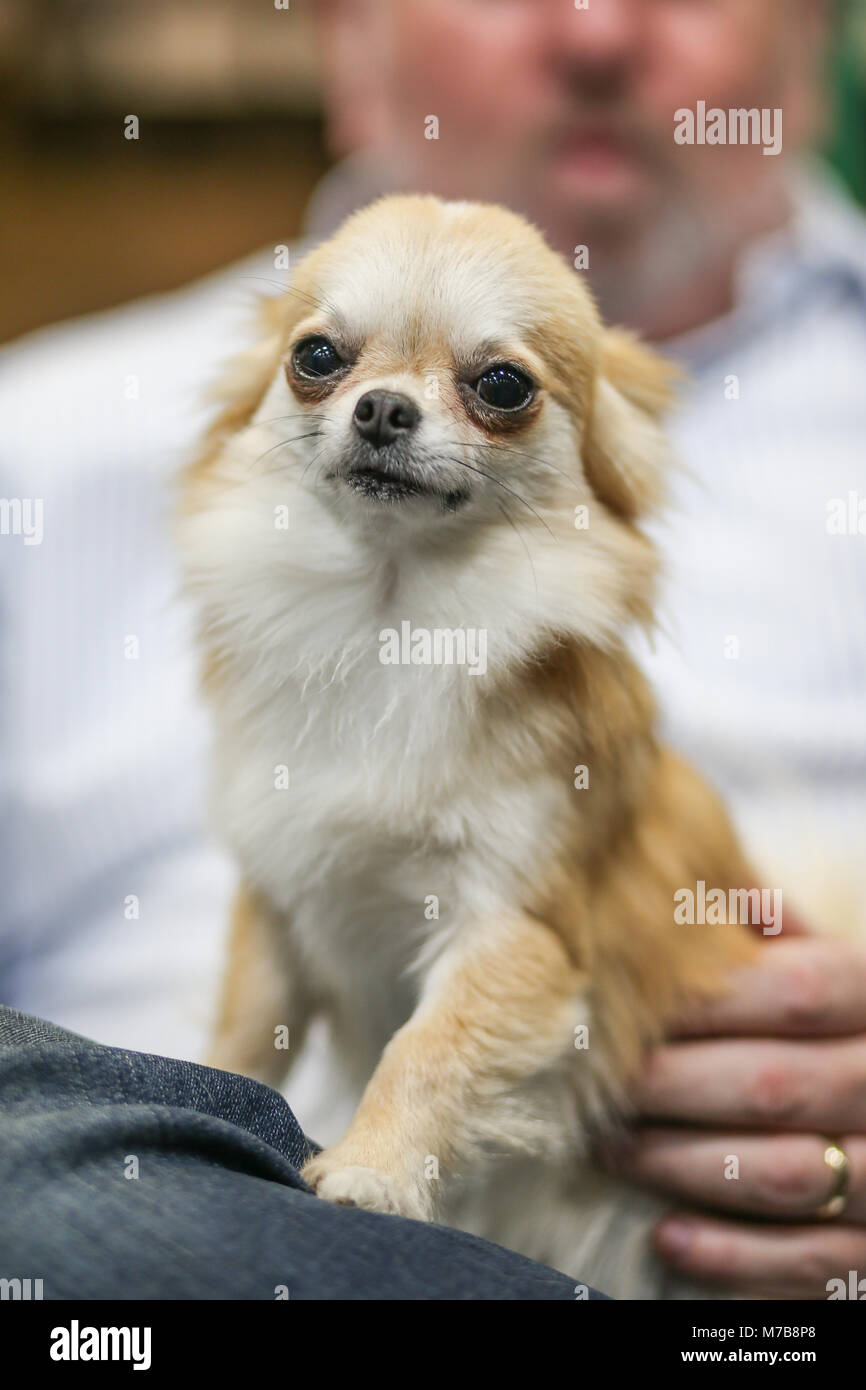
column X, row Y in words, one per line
column 124, row 1175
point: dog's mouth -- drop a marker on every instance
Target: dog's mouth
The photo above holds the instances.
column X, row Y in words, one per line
column 380, row 483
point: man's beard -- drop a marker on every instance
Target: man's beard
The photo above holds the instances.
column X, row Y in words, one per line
column 660, row 276
column 634, row 272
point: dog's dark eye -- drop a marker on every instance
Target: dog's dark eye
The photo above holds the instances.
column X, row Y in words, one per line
column 316, row 357
column 504, row 387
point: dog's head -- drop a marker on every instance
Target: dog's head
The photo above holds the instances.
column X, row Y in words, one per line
column 445, row 359
column 436, row 371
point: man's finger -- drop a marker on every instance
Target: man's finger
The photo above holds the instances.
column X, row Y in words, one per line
column 810, row 1087
column 763, row 1261
column 778, row 1176
column 804, row 987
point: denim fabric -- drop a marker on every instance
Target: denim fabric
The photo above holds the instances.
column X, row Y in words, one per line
column 217, row 1210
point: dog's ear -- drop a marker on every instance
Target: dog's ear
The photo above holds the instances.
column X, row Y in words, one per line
column 625, row 451
column 246, row 377
column 239, row 390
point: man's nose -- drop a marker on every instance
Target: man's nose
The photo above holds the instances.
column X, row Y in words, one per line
column 381, row 417
column 604, row 35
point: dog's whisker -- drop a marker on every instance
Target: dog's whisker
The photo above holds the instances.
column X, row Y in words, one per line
column 517, row 453
column 499, row 483
column 284, row 444
column 279, row 419
column 310, row 463
column 516, row 529
column 274, row 419
column 285, row 287
column 533, row 458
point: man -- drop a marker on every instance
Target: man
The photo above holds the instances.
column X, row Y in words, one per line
column 744, row 264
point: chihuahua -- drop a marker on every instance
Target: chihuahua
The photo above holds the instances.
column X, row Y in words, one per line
column 435, row 450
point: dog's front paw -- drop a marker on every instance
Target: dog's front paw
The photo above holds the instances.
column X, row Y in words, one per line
column 350, row 1185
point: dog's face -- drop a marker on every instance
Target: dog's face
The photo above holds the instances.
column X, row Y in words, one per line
column 433, row 401
column 437, row 364
column 444, row 363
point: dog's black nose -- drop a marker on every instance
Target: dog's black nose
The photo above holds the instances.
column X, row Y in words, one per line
column 381, row 417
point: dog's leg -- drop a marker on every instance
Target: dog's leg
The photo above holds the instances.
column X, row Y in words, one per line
column 263, row 1014
column 497, row 1008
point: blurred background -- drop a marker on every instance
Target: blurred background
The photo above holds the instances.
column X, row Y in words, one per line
column 227, row 93
column 231, row 143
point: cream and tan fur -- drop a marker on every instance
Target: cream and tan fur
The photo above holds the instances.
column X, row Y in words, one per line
column 356, row 794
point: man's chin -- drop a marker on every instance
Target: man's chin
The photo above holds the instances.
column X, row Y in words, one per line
column 607, row 191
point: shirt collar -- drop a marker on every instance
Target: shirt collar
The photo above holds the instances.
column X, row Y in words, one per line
column 822, row 243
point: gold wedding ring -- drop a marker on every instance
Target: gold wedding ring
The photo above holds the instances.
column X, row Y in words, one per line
column 839, row 1164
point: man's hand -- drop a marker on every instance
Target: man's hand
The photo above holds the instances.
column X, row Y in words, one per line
column 757, row 1084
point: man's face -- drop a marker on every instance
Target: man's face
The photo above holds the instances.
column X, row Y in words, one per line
column 568, row 113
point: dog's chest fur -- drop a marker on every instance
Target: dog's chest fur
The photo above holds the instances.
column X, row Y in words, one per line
column 396, row 829
column 372, row 805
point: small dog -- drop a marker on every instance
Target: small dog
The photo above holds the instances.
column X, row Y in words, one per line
column 435, row 449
